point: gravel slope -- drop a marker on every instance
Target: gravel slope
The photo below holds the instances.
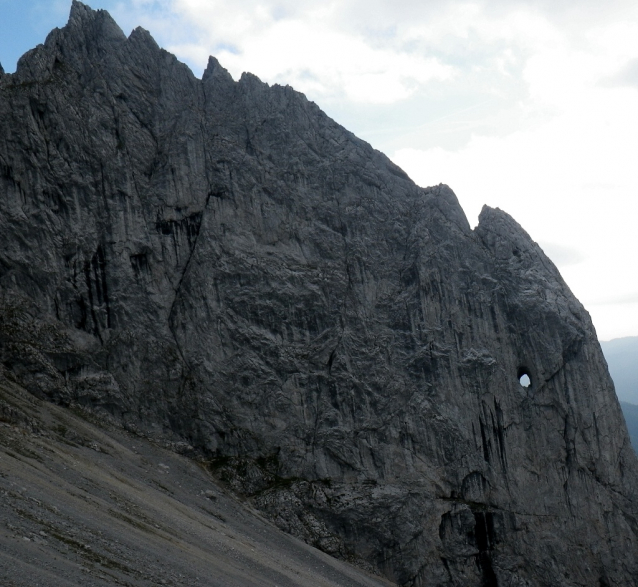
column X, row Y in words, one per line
column 96, row 506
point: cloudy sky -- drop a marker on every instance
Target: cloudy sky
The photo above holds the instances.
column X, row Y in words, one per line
column 527, row 105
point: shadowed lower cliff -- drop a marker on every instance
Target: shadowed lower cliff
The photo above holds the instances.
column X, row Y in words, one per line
column 219, row 263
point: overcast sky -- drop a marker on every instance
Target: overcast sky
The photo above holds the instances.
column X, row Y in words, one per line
column 530, row 106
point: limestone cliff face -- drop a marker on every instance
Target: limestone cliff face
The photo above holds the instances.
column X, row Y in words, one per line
column 220, row 263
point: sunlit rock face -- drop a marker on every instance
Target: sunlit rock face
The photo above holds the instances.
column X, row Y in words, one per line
column 221, row 264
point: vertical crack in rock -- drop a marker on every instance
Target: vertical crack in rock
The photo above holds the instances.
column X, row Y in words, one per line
column 191, row 226
column 484, row 531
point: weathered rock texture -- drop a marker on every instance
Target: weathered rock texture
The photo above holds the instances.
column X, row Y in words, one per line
column 220, row 263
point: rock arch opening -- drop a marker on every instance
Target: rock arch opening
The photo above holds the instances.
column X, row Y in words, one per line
column 524, row 377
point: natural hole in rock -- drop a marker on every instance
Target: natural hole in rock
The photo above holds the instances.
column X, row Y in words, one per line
column 524, row 377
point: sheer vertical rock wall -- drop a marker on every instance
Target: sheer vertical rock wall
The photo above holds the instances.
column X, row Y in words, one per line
column 221, row 264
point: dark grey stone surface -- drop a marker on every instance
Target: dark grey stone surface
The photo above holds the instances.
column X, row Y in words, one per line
column 220, row 264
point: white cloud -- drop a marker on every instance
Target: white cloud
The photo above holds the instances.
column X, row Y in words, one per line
column 626, row 76
column 562, row 255
column 314, row 57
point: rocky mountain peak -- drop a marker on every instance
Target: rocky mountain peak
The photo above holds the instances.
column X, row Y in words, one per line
column 214, row 71
column 91, row 27
column 222, row 266
column 88, row 34
column 504, row 236
column 142, row 37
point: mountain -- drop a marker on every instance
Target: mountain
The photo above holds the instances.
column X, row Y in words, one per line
column 220, row 266
column 622, row 357
column 630, row 411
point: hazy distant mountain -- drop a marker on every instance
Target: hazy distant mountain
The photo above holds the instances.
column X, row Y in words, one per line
column 630, row 412
column 622, row 358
